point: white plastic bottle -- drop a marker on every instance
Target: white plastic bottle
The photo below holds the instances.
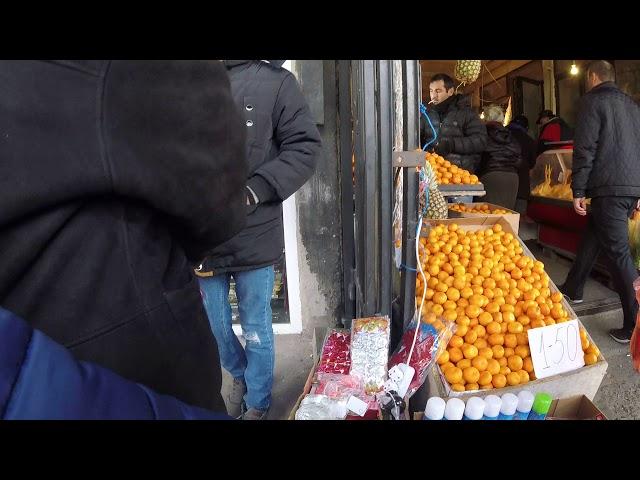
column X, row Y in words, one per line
column 492, row 404
column 434, row 410
column 525, row 402
column 474, row 409
column 508, row 408
column 454, row 409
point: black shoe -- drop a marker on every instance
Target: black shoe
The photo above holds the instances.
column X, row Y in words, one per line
column 621, row 335
column 572, row 301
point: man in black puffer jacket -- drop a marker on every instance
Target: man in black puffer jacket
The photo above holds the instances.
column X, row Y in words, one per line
column 283, row 146
column 606, row 168
column 461, row 136
column 116, row 178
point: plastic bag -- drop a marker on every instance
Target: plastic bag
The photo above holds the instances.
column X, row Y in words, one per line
column 321, row 407
column 433, row 336
column 370, row 351
column 335, row 357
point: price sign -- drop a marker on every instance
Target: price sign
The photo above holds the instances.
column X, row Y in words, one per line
column 556, row 349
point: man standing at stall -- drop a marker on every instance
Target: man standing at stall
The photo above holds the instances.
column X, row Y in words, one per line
column 553, row 129
column 283, row 146
column 606, row 169
column 461, row 136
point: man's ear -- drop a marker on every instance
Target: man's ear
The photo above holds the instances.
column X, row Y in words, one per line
column 451, row 91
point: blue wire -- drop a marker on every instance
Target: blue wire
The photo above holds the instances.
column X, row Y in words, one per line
column 423, row 111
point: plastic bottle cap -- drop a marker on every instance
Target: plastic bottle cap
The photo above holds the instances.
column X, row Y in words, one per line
column 474, row 409
column 435, row 408
column 492, row 404
column 542, row 403
column 509, row 404
column 454, row 409
column 525, row 401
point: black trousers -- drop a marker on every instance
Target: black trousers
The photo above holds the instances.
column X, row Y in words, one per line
column 608, row 232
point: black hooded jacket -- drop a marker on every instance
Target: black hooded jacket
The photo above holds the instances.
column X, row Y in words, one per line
column 461, row 135
column 283, row 146
column 503, row 153
column 113, row 175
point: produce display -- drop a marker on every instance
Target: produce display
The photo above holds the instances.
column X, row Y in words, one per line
column 482, row 208
column 562, row 191
column 483, row 281
column 448, row 173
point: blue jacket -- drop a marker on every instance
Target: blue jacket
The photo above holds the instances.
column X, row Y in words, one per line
column 41, row 380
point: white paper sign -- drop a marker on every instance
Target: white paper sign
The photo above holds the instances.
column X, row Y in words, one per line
column 357, row 406
column 556, row 349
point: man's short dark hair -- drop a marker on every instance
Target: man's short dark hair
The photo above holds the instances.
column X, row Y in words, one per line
column 448, row 81
column 603, row 69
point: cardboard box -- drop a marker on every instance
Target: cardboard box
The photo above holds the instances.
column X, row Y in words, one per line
column 574, row 408
column 585, row 380
column 512, row 217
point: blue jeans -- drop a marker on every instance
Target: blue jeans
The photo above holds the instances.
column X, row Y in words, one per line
column 253, row 364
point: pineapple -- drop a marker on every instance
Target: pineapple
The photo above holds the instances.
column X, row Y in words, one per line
column 467, row 71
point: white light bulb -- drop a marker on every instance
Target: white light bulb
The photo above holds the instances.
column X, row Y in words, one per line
column 574, row 69
column 482, row 116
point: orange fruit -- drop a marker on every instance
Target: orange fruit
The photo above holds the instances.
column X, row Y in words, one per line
column 509, row 352
column 462, row 329
column 493, row 366
column 480, row 363
column 485, row 352
column 471, row 374
column 480, row 331
column 453, row 294
column 556, row 297
column 437, row 309
column 480, row 343
column 472, row 311
column 453, row 375
column 503, row 366
column 593, row 349
column 508, row 317
column 492, row 307
column 510, row 340
column 485, row 319
column 585, row 343
column 443, row 358
column 466, row 292
column 471, row 386
column 513, row 378
column 464, row 363
column 527, row 365
column 457, row 387
column 496, row 339
column 449, row 305
column 455, row 355
column 515, row 327
column 499, row 380
column 470, row 337
column 590, row 358
column 485, row 378
column 493, row 327
column 524, row 376
column 522, row 351
column 515, row 363
column 445, row 366
column 470, row 351
column 498, row 351
column 456, row 341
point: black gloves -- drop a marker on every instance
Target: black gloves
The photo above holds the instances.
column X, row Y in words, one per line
column 444, row 147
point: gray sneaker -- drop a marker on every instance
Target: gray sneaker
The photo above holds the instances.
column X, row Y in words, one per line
column 254, row 414
column 235, row 399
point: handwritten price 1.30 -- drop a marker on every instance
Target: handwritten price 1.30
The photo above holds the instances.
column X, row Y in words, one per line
column 556, row 349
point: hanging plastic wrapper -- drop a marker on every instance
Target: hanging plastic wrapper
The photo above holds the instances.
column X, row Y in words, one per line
column 370, row 352
column 433, row 336
column 321, row 407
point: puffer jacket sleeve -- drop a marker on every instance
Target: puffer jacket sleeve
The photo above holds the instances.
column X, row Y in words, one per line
column 585, row 144
column 41, row 380
column 475, row 134
column 299, row 144
column 174, row 139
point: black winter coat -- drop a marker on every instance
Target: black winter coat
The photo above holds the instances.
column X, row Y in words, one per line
column 606, row 148
column 112, row 175
column 503, row 151
column 528, row 154
column 461, row 135
column 283, row 146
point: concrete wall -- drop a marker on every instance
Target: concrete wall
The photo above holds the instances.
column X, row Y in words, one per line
column 319, row 207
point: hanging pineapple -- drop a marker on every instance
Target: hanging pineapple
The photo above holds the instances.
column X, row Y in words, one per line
column 467, row 71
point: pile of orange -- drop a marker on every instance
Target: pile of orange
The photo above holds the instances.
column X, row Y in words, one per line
column 481, row 208
column 494, row 293
column 447, row 173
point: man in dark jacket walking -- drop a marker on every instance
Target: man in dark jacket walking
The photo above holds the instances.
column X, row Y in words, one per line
column 519, row 128
column 283, row 147
column 461, row 136
column 606, row 168
column 116, row 178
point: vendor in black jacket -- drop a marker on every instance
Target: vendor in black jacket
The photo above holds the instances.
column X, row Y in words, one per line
column 519, row 128
column 500, row 161
column 606, row 168
column 460, row 134
column 116, row 177
column 283, row 146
